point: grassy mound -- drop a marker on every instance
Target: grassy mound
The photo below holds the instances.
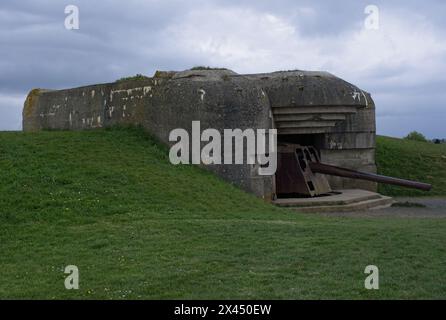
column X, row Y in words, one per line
column 412, row 160
column 110, row 203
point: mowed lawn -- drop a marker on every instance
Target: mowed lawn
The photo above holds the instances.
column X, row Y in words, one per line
column 137, row 227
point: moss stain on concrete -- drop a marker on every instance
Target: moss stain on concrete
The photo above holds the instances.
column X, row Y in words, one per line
column 30, row 102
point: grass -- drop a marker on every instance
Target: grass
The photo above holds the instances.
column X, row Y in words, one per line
column 413, row 160
column 133, row 78
column 206, row 68
column 110, row 202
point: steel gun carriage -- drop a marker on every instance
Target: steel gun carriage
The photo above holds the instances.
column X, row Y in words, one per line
column 300, row 172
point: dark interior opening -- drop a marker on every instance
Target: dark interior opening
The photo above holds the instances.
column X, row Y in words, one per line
column 314, row 140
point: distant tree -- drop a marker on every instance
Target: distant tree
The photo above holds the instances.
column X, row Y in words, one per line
column 416, row 136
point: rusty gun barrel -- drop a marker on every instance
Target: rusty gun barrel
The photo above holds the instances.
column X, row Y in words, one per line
column 348, row 173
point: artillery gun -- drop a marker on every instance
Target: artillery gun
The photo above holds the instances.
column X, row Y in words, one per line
column 300, row 172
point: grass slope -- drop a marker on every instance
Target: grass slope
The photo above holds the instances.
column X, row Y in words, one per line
column 413, row 160
column 138, row 227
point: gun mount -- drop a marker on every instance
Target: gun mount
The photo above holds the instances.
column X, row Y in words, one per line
column 301, row 172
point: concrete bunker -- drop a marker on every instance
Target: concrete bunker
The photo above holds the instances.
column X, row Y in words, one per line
column 332, row 118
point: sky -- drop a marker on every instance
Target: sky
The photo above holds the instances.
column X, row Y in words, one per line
column 397, row 52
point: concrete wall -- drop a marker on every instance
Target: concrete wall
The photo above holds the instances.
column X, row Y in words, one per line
column 87, row 107
column 351, row 144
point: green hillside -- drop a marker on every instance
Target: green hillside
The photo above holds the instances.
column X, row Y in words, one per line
column 413, row 160
column 110, row 203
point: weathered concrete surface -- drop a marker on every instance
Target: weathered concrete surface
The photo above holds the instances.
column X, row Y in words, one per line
column 340, row 115
column 342, row 200
column 86, row 107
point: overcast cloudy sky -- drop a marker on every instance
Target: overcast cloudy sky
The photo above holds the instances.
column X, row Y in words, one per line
column 402, row 64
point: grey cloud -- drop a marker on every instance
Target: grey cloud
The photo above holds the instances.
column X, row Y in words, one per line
column 119, row 38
